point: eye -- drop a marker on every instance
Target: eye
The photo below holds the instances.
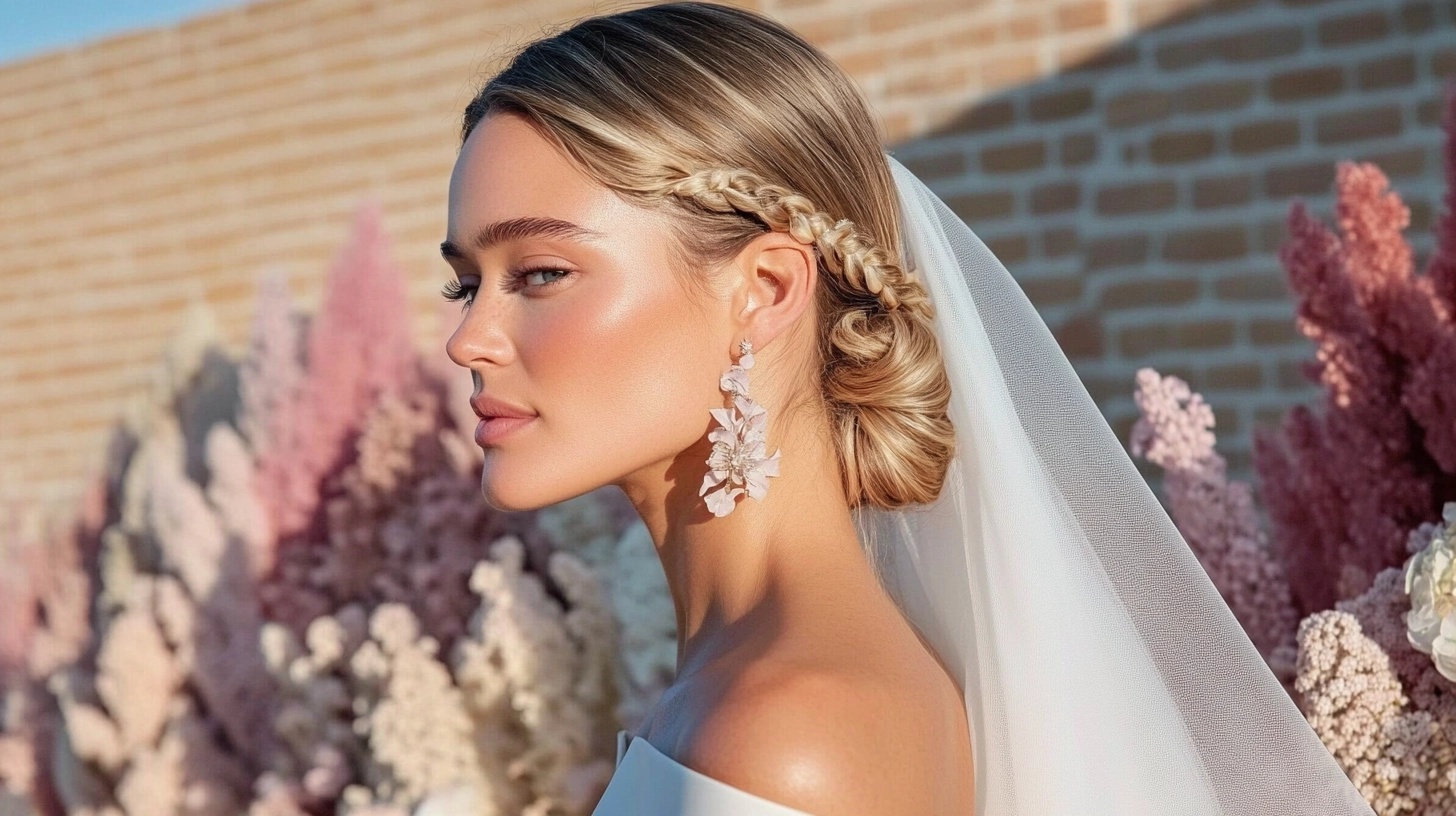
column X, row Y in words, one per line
column 543, row 270
column 454, row 290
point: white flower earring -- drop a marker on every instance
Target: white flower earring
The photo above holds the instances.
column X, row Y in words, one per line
column 737, row 463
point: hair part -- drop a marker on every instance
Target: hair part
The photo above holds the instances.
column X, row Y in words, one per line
column 736, row 125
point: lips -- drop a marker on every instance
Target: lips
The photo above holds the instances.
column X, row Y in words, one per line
column 492, row 430
column 491, row 407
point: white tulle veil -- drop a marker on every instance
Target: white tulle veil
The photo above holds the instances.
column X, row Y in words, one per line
column 1103, row 672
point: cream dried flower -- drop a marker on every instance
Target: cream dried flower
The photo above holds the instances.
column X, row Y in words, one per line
column 1430, row 581
column 737, row 463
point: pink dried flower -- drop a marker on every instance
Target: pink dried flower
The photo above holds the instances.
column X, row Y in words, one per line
column 358, row 347
column 1215, row 516
column 1349, row 691
column 1379, row 705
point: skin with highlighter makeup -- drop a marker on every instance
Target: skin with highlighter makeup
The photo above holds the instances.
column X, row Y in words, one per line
column 574, row 310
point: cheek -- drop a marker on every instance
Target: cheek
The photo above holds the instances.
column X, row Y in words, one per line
column 630, row 369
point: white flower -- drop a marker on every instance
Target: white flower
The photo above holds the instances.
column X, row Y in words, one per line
column 737, row 463
column 1430, row 581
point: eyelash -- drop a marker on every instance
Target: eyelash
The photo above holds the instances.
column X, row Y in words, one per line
column 454, row 290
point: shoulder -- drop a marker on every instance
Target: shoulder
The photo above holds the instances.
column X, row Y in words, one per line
column 815, row 740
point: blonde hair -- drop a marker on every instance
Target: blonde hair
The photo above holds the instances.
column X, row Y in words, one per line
column 737, row 125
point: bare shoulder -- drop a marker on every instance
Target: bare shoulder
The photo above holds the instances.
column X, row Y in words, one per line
column 821, row 741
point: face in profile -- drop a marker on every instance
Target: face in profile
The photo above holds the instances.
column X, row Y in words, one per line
column 573, row 313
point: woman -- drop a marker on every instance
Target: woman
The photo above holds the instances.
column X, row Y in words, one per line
column 913, row 571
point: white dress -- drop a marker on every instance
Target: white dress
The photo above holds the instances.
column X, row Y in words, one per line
column 648, row 782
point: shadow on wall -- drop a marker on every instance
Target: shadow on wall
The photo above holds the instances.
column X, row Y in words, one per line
column 1140, row 197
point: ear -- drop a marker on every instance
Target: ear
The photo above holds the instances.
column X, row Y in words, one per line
column 778, row 279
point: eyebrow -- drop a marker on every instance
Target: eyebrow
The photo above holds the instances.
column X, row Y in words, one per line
column 516, row 229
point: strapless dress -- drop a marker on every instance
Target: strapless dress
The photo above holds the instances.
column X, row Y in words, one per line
column 648, row 782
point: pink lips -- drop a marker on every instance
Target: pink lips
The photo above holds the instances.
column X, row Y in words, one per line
column 487, row 406
column 492, row 430
column 498, row 418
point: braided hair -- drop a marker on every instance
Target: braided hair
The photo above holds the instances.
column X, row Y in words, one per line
column 846, row 250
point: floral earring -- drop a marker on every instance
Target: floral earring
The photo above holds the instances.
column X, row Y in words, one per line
column 737, row 463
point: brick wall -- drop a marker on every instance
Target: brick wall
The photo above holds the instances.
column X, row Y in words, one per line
column 1130, row 161
column 1139, row 195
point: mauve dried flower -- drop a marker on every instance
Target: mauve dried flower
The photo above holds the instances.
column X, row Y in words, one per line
column 1345, row 486
column 1216, row 516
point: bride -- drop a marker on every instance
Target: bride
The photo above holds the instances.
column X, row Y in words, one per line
column 913, row 570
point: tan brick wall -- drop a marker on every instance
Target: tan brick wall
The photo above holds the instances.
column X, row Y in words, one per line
column 1131, row 162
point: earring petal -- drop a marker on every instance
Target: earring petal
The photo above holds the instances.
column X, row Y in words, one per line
column 758, row 422
column 754, row 448
column 724, row 417
column 734, row 382
column 757, row 484
column 748, row 408
column 721, row 502
column 718, row 504
column 711, row 479
column 770, row 466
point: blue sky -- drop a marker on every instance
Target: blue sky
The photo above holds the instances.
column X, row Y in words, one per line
column 33, row 26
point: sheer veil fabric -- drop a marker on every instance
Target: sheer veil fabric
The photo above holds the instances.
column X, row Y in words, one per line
column 1104, row 674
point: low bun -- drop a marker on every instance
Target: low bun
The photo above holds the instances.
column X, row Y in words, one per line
column 887, row 392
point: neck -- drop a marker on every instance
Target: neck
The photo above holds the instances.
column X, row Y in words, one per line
column 767, row 566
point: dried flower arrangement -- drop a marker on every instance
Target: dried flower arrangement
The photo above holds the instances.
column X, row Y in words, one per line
column 1351, row 596
column 285, row 596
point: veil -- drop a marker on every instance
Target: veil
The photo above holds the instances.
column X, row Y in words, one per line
column 1103, row 672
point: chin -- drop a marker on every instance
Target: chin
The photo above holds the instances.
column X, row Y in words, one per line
column 509, row 497
column 511, row 493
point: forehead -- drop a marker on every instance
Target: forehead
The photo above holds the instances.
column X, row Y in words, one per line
column 506, row 168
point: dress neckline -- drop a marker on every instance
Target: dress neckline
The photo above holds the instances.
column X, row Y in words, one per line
column 654, row 754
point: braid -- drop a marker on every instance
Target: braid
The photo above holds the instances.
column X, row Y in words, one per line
column 857, row 258
column 884, row 381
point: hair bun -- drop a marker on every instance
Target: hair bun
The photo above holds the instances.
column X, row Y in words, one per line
column 889, row 395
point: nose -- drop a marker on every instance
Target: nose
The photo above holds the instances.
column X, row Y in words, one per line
column 480, row 339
